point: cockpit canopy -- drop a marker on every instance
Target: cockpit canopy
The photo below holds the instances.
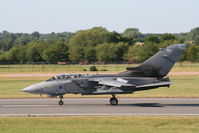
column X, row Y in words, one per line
column 65, row 76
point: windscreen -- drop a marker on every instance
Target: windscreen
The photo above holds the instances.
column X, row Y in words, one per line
column 64, row 76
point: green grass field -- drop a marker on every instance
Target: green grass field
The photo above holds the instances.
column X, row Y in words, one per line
column 100, row 124
column 182, row 87
column 179, row 67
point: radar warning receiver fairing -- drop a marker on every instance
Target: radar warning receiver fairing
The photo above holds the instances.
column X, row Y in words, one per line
column 149, row 75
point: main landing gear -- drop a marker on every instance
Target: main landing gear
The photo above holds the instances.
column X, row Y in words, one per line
column 61, row 100
column 113, row 100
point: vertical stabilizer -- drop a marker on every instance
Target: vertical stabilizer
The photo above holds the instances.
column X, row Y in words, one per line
column 160, row 64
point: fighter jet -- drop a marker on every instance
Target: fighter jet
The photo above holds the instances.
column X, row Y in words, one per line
column 149, row 75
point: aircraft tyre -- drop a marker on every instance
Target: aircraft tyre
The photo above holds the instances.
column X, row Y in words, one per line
column 113, row 101
column 61, row 102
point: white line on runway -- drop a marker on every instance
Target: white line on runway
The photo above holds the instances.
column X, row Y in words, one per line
column 5, row 106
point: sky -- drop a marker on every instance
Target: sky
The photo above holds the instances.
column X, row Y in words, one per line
column 150, row 16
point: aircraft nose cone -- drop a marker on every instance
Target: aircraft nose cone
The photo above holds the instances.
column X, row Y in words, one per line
column 32, row 89
column 27, row 89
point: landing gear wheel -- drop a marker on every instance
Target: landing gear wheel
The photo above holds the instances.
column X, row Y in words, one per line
column 61, row 102
column 113, row 101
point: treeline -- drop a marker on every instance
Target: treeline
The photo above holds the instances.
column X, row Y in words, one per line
column 96, row 44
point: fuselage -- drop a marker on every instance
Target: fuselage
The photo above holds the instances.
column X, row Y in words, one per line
column 84, row 84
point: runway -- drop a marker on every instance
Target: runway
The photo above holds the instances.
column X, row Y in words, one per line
column 99, row 107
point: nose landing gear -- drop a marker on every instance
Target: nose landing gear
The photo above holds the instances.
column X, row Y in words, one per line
column 113, row 100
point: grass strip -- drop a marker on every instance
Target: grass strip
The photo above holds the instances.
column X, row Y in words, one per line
column 100, row 124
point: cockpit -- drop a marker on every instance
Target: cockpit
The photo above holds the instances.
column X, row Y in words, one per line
column 65, row 76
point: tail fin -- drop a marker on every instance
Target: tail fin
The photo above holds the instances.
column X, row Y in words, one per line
column 159, row 65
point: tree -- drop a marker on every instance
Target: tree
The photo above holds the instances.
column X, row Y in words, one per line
column 102, row 52
column 10, row 40
column 76, row 53
column 152, row 39
column 192, row 53
column 16, row 54
column 3, row 57
column 132, row 32
column 35, row 50
column 90, row 53
column 6, row 40
column 111, row 52
column 116, row 37
column 133, row 53
column 11, row 55
column 91, row 37
column 83, row 43
column 167, row 37
column 148, row 49
column 193, row 35
column 23, row 39
column 35, row 34
column 56, row 52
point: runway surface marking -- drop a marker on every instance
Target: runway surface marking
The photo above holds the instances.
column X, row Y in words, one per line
column 13, row 106
column 100, row 107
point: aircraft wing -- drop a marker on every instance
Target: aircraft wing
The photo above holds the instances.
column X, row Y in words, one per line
column 119, row 82
column 155, row 84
